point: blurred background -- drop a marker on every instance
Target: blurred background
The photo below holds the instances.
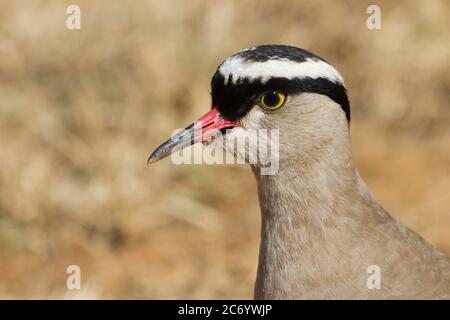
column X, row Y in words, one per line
column 81, row 110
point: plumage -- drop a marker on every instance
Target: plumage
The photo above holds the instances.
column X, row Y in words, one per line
column 321, row 228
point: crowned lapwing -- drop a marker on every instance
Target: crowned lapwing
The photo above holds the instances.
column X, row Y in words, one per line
column 323, row 235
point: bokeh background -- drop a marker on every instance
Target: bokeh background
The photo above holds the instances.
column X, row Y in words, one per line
column 81, row 110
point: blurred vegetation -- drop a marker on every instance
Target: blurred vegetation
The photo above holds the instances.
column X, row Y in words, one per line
column 81, row 110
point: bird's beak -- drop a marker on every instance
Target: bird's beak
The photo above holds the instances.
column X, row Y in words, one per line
column 200, row 131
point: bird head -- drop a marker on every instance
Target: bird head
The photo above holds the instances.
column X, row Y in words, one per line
column 270, row 87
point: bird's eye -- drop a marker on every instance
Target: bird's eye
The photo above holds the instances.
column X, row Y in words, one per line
column 272, row 100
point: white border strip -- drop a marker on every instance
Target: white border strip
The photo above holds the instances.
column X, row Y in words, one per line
column 238, row 68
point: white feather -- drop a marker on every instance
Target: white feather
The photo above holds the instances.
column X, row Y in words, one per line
column 238, row 68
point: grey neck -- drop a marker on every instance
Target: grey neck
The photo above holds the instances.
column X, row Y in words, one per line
column 305, row 214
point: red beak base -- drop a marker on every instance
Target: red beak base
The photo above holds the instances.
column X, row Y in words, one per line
column 200, row 131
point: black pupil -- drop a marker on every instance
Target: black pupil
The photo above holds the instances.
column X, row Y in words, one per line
column 271, row 99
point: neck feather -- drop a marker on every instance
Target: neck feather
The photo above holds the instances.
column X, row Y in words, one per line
column 305, row 213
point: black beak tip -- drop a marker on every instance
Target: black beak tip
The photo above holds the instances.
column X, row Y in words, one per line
column 177, row 142
column 153, row 158
column 161, row 152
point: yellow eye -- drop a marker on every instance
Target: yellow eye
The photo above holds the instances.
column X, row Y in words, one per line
column 272, row 100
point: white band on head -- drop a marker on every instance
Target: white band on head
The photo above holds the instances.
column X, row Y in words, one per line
column 239, row 68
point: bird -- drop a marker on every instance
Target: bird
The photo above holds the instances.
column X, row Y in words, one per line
column 323, row 235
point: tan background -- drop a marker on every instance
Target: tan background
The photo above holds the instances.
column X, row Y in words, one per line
column 81, row 110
